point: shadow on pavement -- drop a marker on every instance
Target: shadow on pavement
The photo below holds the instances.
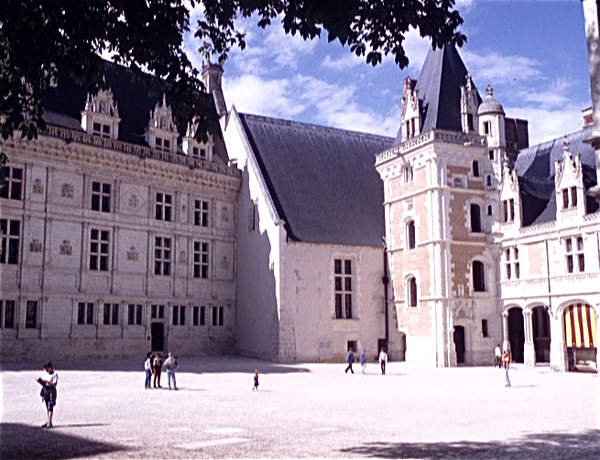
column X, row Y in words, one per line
column 203, row 365
column 20, row 442
column 537, row 446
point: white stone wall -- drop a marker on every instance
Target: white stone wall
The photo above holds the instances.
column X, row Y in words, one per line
column 55, row 247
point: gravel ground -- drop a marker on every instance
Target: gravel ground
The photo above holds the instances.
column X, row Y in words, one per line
column 300, row 411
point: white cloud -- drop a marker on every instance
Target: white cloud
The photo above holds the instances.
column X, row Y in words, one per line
column 498, row 69
column 546, row 124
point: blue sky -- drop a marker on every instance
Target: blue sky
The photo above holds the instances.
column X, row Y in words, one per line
column 533, row 53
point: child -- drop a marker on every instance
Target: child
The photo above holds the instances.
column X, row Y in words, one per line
column 255, row 387
column 48, row 392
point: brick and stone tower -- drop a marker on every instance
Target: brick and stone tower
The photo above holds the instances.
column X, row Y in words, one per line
column 440, row 209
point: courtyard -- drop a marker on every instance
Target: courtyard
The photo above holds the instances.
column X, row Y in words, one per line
column 300, row 411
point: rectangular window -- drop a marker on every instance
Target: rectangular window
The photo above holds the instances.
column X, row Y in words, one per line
column 164, row 206
column 31, row 314
column 221, row 314
column 134, row 314
column 343, row 290
column 573, row 197
column 99, row 243
column 484, row 328
column 10, row 230
column 7, row 314
column 574, row 255
column 511, row 262
column 100, row 197
column 565, row 194
column 215, row 316
column 202, row 316
column 182, row 316
column 175, row 315
column 162, row 256
column 111, row 313
column 201, row 213
column 195, row 316
column 200, row 260
column 13, row 183
column 491, row 155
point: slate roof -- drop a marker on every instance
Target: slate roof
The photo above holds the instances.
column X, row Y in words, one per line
column 322, row 180
column 63, row 105
column 442, row 75
column 535, row 168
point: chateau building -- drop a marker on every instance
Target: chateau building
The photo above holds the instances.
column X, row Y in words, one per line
column 117, row 230
column 290, row 242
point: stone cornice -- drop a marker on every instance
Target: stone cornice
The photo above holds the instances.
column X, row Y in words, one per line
column 434, row 135
column 101, row 157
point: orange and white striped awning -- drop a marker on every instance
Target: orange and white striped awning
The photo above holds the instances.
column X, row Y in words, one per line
column 580, row 326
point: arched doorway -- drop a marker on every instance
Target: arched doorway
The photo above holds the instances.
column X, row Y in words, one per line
column 516, row 334
column 541, row 334
column 459, row 344
column 581, row 336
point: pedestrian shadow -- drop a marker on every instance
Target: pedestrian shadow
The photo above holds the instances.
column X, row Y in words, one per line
column 194, row 365
column 80, row 425
column 24, row 442
column 536, row 446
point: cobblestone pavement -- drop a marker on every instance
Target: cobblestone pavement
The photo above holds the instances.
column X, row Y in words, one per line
column 300, row 411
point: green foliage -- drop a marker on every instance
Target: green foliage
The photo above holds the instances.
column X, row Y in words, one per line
column 41, row 40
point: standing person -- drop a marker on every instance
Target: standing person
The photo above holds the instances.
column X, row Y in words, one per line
column 157, row 368
column 498, row 357
column 506, row 362
column 362, row 358
column 383, row 357
column 255, row 387
column 171, row 365
column 349, row 360
column 148, row 369
column 48, row 392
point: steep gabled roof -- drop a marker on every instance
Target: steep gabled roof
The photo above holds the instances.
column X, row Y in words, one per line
column 442, row 75
column 322, row 180
column 535, row 168
column 64, row 102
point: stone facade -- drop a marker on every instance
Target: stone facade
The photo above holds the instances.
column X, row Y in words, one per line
column 110, row 249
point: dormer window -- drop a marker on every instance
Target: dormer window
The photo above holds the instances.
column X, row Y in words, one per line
column 195, row 149
column 162, row 133
column 411, row 110
column 100, row 116
column 569, row 198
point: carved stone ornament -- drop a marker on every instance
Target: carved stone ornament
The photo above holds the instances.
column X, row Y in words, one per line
column 65, row 248
column 35, row 246
column 225, row 263
column 182, row 258
column 225, row 214
column 38, row 187
column 132, row 254
column 67, row 191
column 133, row 202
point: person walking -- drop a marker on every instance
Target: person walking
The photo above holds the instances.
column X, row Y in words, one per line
column 383, row 357
column 498, row 357
column 255, row 387
column 349, row 360
column 362, row 359
column 506, row 362
column 148, row 369
column 171, row 365
column 48, row 392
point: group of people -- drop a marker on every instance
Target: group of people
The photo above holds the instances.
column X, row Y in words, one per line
column 154, row 366
column 362, row 359
column 502, row 359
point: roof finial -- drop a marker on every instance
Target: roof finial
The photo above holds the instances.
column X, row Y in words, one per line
column 489, row 91
column 566, row 144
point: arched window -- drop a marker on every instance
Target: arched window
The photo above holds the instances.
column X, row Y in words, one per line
column 475, row 218
column 478, row 271
column 411, row 288
column 410, row 235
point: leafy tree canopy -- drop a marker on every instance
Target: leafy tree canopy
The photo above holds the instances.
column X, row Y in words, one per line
column 41, row 40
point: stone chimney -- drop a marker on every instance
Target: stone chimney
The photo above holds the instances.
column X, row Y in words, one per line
column 212, row 75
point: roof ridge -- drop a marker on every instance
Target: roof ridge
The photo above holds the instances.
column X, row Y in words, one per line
column 313, row 126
